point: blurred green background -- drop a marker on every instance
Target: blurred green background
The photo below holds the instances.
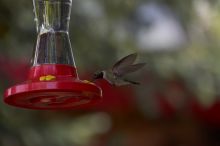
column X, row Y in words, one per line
column 177, row 102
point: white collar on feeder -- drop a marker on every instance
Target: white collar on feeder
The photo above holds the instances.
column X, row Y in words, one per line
column 53, row 82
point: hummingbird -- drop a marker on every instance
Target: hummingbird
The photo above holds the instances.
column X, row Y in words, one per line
column 115, row 75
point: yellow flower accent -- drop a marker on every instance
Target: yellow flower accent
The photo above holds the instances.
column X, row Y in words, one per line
column 88, row 82
column 47, row 78
column 50, row 77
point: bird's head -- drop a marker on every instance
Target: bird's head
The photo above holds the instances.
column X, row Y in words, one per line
column 98, row 75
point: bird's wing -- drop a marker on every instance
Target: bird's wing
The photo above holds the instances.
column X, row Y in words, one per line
column 129, row 69
column 124, row 62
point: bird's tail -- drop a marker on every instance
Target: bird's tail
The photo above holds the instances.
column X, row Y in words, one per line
column 132, row 82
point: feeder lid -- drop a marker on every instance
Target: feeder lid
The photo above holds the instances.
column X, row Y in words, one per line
column 52, row 92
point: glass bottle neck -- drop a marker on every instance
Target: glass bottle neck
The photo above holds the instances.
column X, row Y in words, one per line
column 52, row 15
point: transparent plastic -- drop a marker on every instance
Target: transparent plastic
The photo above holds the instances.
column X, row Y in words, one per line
column 53, row 44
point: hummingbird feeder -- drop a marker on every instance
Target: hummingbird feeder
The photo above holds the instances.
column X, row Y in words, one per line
column 53, row 82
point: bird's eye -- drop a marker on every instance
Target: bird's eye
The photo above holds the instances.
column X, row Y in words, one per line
column 95, row 75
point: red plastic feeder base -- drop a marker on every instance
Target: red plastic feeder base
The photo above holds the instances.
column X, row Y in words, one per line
column 53, row 87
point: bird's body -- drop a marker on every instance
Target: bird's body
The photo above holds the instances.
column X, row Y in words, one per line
column 109, row 76
column 115, row 75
